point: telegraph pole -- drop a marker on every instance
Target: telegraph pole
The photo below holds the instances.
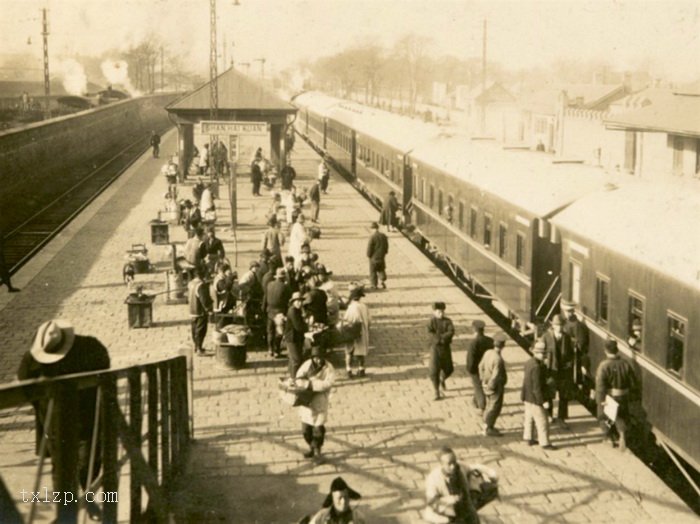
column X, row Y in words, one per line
column 213, row 70
column 47, row 79
column 162, row 72
column 483, row 61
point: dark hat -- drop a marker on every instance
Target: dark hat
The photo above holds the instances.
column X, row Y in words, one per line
column 500, row 338
column 478, row 324
column 539, row 347
column 557, row 321
column 280, row 273
column 296, row 296
column 52, row 341
column 339, row 484
column 253, row 264
column 374, row 225
column 307, row 299
column 321, row 270
column 318, row 351
column 439, row 305
column 357, row 293
column 611, row 346
column 636, row 325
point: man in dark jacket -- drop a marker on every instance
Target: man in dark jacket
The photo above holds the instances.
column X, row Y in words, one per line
column 377, row 249
column 200, row 304
column 256, row 177
column 388, row 215
column 155, row 143
column 534, row 395
column 294, row 330
column 441, row 331
column 560, row 364
column 615, row 383
column 580, row 336
column 475, row 351
column 57, row 351
column 315, row 301
column 315, row 199
column 277, row 295
column 287, row 176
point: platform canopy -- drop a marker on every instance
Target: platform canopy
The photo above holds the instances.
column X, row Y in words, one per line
column 239, row 97
column 241, row 100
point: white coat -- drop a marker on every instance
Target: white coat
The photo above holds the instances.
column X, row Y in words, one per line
column 321, row 383
column 297, row 237
column 359, row 312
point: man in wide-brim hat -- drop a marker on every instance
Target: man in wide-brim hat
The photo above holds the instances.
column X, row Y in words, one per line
column 336, row 506
column 357, row 313
column 56, row 350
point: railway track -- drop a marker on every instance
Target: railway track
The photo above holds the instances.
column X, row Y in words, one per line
column 27, row 239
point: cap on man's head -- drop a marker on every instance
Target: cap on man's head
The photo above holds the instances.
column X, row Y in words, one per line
column 280, row 273
column 567, row 304
column 539, row 347
column 52, row 341
column 296, row 296
column 611, row 346
column 478, row 324
column 254, row 264
column 339, row 484
column 557, row 321
column 439, row 306
column 374, row 225
column 500, row 338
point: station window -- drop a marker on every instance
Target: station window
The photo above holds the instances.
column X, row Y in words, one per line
column 602, row 300
column 519, row 251
column 676, row 343
column 440, row 202
column 636, row 313
column 575, row 281
column 487, row 230
column 431, row 200
column 472, row 222
column 502, row 240
column 460, row 216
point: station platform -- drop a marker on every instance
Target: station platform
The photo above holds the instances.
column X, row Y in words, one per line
column 383, row 431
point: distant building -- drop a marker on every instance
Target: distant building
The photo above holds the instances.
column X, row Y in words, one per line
column 491, row 112
column 661, row 137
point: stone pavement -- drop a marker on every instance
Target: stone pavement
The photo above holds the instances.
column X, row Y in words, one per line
column 383, row 430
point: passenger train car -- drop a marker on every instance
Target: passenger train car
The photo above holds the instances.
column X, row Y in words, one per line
column 526, row 231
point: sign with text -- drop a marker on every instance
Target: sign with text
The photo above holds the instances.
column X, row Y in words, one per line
column 234, row 128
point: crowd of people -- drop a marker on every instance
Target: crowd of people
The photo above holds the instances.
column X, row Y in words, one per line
column 305, row 314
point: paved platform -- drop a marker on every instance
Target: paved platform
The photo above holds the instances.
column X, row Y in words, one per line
column 383, row 430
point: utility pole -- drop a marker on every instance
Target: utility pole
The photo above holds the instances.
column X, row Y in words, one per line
column 223, row 46
column 47, row 79
column 162, row 71
column 483, row 61
column 213, row 71
column 233, row 45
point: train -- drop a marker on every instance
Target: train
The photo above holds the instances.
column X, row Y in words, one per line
column 525, row 230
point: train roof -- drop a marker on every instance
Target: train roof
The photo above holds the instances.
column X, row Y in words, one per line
column 526, row 179
column 397, row 131
column 652, row 223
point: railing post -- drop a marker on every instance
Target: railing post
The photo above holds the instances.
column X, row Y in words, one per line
column 184, row 421
column 165, row 424
column 135, row 423
column 64, row 450
column 152, row 374
column 174, row 420
column 110, row 428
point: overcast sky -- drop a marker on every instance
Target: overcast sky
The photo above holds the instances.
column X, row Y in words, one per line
column 663, row 35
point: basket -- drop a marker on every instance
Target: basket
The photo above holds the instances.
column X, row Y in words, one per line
column 237, row 335
column 315, row 232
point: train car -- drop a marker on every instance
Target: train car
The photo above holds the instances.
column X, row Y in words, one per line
column 311, row 122
column 631, row 254
column 486, row 211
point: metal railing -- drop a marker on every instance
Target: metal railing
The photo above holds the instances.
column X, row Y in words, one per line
column 155, row 392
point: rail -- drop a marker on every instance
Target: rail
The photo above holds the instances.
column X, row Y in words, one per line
column 156, row 392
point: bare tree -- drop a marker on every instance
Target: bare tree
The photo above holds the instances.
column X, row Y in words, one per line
column 412, row 50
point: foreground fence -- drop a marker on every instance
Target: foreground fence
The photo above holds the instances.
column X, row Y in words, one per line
column 156, row 393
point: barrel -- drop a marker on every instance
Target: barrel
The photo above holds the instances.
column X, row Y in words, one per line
column 175, row 286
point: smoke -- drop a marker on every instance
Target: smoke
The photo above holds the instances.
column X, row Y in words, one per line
column 117, row 74
column 72, row 76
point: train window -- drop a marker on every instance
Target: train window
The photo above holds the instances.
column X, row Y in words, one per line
column 502, row 240
column 519, row 251
column 487, row 230
column 431, row 201
column 472, row 222
column 630, row 151
column 440, row 202
column 574, row 281
column 461, row 215
column 602, row 299
column 676, row 343
column 635, row 315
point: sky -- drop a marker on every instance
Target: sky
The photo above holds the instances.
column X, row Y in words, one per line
column 662, row 35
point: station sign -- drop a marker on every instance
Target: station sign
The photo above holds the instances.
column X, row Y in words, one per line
column 210, row 127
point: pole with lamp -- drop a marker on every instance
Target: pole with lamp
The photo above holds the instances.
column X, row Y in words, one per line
column 47, row 79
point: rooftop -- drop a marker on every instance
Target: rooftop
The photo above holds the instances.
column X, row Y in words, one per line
column 677, row 114
column 583, row 96
column 236, row 92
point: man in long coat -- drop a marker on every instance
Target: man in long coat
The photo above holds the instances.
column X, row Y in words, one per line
column 441, row 331
column 560, row 364
column 492, row 370
column 477, row 347
column 388, row 215
column 377, row 249
column 357, row 313
column 535, row 396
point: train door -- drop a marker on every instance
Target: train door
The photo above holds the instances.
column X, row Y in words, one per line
column 325, row 133
column 353, row 154
column 546, row 271
column 407, row 189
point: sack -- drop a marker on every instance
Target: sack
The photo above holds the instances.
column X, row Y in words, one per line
column 303, row 398
column 483, row 485
column 348, row 333
column 314, row 232
column 210, row 215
